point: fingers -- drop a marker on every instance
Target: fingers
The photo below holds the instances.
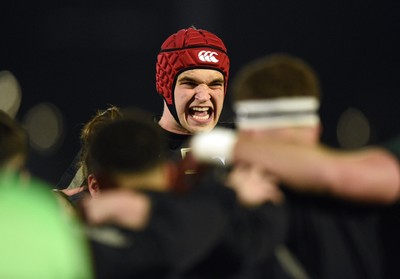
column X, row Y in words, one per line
column 73, row 191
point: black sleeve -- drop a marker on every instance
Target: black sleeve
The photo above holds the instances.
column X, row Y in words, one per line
column 119, row 253
column 180, row 232
column 189, row 226
column 247, row 241
column 203, row 232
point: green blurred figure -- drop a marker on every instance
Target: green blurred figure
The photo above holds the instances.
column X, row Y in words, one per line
column 38, row 238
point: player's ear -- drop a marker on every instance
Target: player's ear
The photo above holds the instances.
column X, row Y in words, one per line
column 93, row 185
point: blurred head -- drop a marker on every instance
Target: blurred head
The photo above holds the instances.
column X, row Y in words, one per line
column 278, row 96
column 38, row 239
column 13, row 144
column 128, row 153
column 191, row 75
column 96, row 123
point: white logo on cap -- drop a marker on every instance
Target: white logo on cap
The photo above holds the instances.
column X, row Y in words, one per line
column 208, row 56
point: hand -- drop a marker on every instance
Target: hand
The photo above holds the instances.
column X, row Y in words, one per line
column 254, row 186
column 73, row 191
column 121, row 207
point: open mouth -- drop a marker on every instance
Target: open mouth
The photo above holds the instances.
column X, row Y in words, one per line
column 200, row 113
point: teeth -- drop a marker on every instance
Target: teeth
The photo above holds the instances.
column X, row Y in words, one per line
column 199, row 108
column 200, row 117
column 204, row 111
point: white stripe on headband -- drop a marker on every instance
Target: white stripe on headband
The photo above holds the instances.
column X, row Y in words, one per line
column 277, row 113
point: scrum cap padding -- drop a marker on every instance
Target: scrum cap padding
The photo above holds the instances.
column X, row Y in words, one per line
column 189, row 49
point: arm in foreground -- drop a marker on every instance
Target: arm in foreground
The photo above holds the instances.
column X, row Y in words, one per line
column 368, row 175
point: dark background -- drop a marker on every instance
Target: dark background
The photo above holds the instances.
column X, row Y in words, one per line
column 84, row 55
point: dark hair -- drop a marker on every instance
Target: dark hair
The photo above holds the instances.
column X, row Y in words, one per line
column 276, row 76
column 13, row 139
column 131, row 145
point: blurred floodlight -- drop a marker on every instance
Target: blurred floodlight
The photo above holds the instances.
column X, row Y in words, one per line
column 44, row 124
column 10, row 93
column 353, row 129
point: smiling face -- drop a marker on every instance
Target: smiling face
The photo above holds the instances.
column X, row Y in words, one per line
column 199, row 96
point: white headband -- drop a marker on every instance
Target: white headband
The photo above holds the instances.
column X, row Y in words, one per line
column 277, row 113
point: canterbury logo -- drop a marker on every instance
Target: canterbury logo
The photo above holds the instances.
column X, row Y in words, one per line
column 208, row 56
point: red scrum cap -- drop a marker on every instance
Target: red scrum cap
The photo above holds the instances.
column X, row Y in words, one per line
column 185, row 50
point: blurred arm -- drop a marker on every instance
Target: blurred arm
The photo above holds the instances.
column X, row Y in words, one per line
column 370, row 175
column 128, row 209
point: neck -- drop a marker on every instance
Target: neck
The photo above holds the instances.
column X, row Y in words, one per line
column 156, row 179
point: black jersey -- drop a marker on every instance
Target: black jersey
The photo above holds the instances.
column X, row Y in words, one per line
column 390, row 223
column 201, row 234
column 333, row 238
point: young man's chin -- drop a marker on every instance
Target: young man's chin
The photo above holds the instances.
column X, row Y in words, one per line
column 200, row 129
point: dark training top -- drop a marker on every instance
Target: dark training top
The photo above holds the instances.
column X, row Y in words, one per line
column 390, row 224
column 334, row 238
column 203, row 233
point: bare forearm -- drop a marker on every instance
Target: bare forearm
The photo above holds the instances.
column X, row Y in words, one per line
column 295, row 166
column 371, row 176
